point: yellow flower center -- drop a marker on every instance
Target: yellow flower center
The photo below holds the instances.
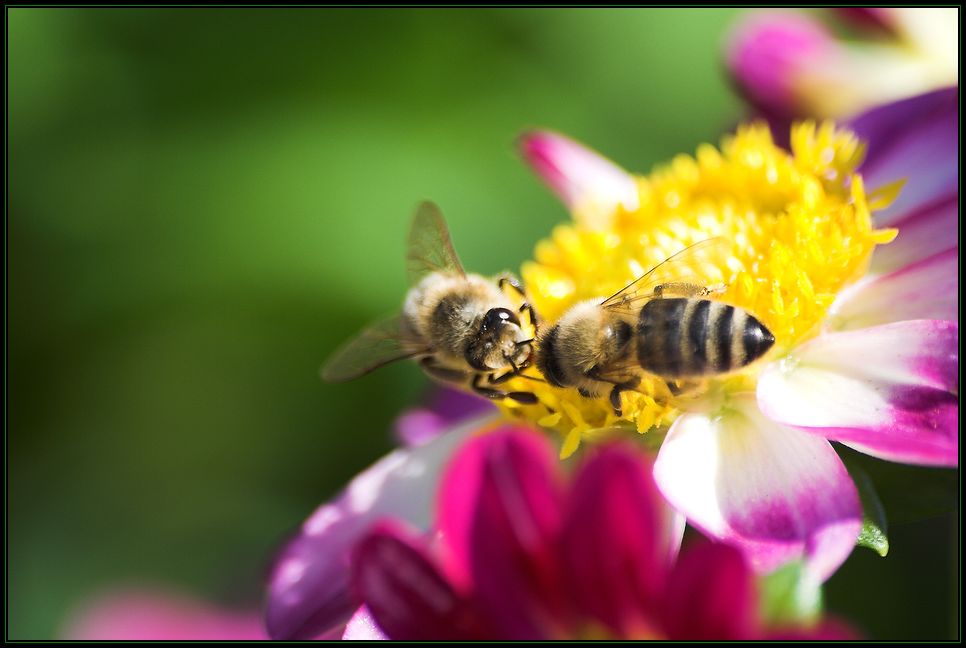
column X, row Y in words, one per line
column 799, row 227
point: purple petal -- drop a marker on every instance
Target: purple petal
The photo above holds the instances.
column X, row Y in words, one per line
column 774, row 492
column 711, row 595
column 407, row 596
column 590, row 185
column 447, row 408
column 768, row 52
column 308, row 590
column 499, row 514
column 928, row 289
column 928, row 230
column 891, row 390
column 147, row 615
column 916, row 139
column 362, row 627
column 616, row 539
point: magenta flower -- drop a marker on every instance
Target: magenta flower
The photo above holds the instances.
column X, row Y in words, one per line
column 788, row 64
column 525, row 554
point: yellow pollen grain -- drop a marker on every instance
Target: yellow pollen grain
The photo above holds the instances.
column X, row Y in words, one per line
column 800, row 226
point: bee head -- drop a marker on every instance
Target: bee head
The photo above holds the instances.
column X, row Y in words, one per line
column 499, row 343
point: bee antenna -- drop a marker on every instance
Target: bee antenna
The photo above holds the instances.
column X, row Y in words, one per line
column 522, row 342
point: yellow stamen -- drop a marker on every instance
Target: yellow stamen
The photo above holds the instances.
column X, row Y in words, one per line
column 800, row 229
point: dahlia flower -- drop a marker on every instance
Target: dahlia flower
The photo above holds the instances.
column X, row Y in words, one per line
column 859, row 287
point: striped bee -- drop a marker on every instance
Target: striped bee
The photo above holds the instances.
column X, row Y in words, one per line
column 663, row 323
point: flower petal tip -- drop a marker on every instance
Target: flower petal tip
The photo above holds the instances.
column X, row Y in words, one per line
column 591, row 186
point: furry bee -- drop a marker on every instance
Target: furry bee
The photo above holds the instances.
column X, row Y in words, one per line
column 662, row 323
column 461, row 328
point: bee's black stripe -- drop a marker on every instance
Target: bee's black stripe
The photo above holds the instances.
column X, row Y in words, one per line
column 696, row 325
column 660, row 333
column 547, row 361
column 721, row 338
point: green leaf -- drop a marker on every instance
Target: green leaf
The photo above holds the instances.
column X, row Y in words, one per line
column 874, row 525
column 790, row 596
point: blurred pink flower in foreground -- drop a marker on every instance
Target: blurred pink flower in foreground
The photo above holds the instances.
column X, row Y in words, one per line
column 148, row 615
column 524, row 553
column 789, row 64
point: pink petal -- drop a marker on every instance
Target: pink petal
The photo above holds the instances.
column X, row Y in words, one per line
column 774, row 492
column 768, row 51
column 590, row 185
column 407, row 596
column 928, row 289
column 617, row 538
column 890, row 391
column 925, row 231
column 499, row 513
column 711, row 595
column 362, row 627
column 145, row 615
column 308, row 589
column 916, row 139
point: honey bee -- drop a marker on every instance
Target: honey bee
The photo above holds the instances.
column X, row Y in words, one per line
column 461, row 328
column 662, row 323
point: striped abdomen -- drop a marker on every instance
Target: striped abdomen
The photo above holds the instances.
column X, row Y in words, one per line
column 680, row 338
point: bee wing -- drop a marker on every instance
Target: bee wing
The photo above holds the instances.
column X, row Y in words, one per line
column 379, row 344
column 429, row 247
column 691, row 267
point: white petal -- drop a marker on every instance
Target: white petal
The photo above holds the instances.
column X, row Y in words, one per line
column 891, row 389
column 775, row 492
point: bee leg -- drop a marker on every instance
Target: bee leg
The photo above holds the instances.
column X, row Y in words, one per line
column 440, row 372
column 615, row 400
column 672, row 386
column 495, row 394
column 683, row 387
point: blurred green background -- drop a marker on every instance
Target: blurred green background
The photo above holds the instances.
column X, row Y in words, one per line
column 202, row 204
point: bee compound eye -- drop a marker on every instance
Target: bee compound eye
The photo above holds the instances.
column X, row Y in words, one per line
column 497, row 316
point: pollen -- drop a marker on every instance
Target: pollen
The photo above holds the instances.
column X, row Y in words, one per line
column 799, row 226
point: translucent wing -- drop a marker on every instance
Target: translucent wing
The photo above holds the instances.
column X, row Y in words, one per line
column 429, row 246
column 379, row 344
column 692, row 272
